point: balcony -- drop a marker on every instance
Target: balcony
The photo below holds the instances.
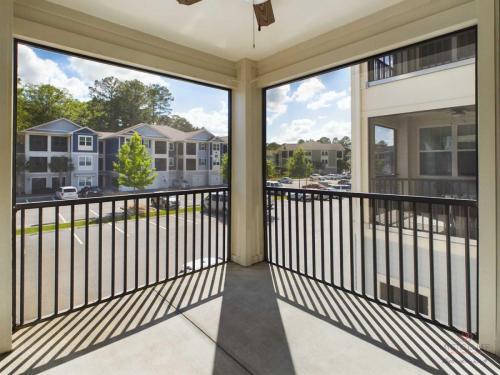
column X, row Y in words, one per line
column 191, row 325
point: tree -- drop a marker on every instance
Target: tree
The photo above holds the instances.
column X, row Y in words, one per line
column 134, row 165
column 345, row 163
column 60, row 165
column 273, row 146
column 270, row 169
column 324, row 140
column 225, row 167
column 177, row 122
column 301, row 141
column 299, row 166
column 22, row 165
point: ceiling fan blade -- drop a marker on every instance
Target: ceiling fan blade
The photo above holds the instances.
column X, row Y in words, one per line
column 264, row 13
column 188, row 2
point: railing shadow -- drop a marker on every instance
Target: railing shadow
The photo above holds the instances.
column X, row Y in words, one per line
column 422, row 344
column 45, row 345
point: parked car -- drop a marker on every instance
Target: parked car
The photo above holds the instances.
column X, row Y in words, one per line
column 67, row 192
column 181, row 184
column 300, row 197
column 273, row 184
column 90, row 191
column 286, row 180
column 161, row 202
column 210, row 202
column 313, row 186
column 315, row 176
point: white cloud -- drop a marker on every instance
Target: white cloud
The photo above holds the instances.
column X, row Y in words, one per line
column 309, row 129
column 308, row 89
column 35, row 70
column 344, row 104
column 326, row 99
column 90, row 71
column 276, row 101
column 214, row 121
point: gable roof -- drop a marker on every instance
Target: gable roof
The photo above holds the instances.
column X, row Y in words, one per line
column 61, row 126
column 164, row 131
column 312, row 146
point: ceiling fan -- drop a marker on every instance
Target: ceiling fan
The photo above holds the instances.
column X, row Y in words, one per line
column 263, row 10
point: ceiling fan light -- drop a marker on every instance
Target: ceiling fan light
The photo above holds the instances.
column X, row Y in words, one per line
column 264, row 13
column 188, row 2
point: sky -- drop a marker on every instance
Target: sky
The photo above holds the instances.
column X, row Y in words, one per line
column 203, row 106
column 310, row 109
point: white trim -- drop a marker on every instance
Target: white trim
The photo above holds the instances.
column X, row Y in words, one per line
column 85, row 147
column 85, row 166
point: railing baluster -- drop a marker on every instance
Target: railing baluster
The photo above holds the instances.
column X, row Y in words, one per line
column 362, row 244
column 23, row 265
column 351, row 245
column 202, row 214
column 113, row 247
column 415, row 259
column 86, row 254
column 185, row 231
column 374, row 248
column 322, row 236
column 400, row 248
column 304, row 224
column 276, row 235
column 56, row 259
column 136, row 256
column 157, row 218
column 224, row 233
column 167, row 236
column 269, row 227
column 290, row 252
column 217, row 229
column 448, row 265
column 282, row 228
column 125, row 245
column 313, row 234
column 467, row 272
column 387, row 253
column 99, row 272
column 147, row 241
column 330, row 213
column 176, row 235
column 297, row 232
column 40, row 261
column 341, row 241
column 193, row 256
column 72, row 257
column 209, row 229
column 431, row 262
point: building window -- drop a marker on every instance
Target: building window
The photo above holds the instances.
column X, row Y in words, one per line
column 284, row 154
column 180, row 149
column 161, row 164
column 190, row 148
column 161, row 147
column 339, row 155
column 85, row 142
column 171, row 146
column 85, row 162
column 203, row 146
column 202, row 162
column 436, row 151
column 101, row 164
column 409, row 300
column 324, row 161
column 38, row 143
column 38, row 164
column 424, row 55
column 384, row 140
column 216, row 147
column 466, row 150
column 84, row 181
column 59, row 144
column 324, row 153
column 190, row 164
column 171, row 163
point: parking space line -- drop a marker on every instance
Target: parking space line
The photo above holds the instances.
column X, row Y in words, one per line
column 161, row 226
column 93, row 212
column 62, row 218
column 118, row 229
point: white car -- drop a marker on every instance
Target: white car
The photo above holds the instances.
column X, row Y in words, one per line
column 67, row 192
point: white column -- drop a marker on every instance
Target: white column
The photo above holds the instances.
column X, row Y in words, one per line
column 247, row 245
column 489, row 175
column 6, row 17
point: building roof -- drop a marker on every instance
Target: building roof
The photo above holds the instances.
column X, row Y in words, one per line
column 61, row 125
column 312, row 146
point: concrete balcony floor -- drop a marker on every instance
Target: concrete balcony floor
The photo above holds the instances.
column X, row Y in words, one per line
column 234, row 320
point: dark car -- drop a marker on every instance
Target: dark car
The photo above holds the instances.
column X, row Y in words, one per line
column 161, row 202
column 210, row 202
column 90, row 191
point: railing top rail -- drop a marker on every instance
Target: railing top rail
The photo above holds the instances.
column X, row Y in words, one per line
column 111, row 198
column 383, row 197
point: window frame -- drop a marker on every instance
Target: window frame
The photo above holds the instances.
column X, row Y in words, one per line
column 85, row 147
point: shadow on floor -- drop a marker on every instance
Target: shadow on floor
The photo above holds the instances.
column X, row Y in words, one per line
column 251, row 329
column 54, row 342
column 424, row 345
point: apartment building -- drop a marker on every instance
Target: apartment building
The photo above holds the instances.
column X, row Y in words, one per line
column 325, row 157
column 59, row 153
column 62, row 153
column 418, row 132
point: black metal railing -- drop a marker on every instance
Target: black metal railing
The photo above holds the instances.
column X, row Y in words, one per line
column 347, row 240
column 71, row 254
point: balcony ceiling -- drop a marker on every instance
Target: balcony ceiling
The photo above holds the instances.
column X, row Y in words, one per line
column 224, row 27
